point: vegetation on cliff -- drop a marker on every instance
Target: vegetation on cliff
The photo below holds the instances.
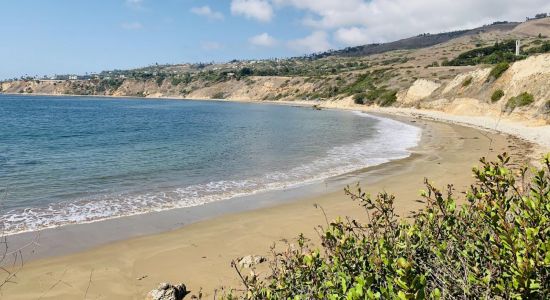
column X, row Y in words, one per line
column 498, row 53
column 497, row 95
column 498, row 70
column 522, row 99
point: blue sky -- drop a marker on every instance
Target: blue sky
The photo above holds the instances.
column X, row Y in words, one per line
column 43, row 37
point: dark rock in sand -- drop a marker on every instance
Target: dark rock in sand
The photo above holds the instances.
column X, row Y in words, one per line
column 167, row 291
column 250, row 260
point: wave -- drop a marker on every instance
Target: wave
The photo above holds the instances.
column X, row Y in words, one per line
column 392, row 141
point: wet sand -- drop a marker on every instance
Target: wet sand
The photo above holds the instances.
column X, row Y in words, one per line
column 199, row 253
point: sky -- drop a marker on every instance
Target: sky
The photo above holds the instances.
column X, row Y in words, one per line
column 46, row 37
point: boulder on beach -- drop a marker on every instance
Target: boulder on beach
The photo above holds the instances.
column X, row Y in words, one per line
column 250, row 260
column 167, row 291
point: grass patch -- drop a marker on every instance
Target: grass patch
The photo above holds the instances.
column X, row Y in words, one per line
column 387, row 98
column 219, row 95
column 520, row 100
column 498, row 70
column 381, row 97
column 360, row 85
column 359, row 98
column 467, row 81
column 497, row 95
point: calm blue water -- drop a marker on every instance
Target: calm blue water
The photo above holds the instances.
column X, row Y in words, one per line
column 68, row 159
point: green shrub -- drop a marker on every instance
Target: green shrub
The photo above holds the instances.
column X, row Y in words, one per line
column 522, row 99
column 219, row 95
column 362, row 83
column 176, row 80
column 497, row 95
column 498, row 70
column 494, row 246
column 387, row 98
column 467, row 81
column 159, row 80
column 380, row 96
column 499, row 52
column 110, row 84
column 374, row 94
column 359, row 98
column 543, row 48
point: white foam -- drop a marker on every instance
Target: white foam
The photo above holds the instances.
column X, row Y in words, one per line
column 392, row 141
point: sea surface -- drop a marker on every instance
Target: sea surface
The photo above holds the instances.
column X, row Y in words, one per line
column 67, row 160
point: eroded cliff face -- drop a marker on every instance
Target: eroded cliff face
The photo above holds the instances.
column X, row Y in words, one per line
column 251, row 88
column 470, row 93
column 467, row 93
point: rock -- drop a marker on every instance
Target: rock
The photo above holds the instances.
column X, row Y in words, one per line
column 167, row 291
column 421, row 89
column 250, row 260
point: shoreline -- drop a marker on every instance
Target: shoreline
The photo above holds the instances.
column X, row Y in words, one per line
column 54, row 240
column 207, row 211
column 482, row 122
column 199, row 254
column 540, row 138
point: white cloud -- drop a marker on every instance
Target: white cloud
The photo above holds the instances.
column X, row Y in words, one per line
column 209, row 45
column 367, row 21
column 260, row 10
column 206, row 11
column 352, row 36
column 135, row 3
column 315, row 42
column 263, row 40
column 132, row 25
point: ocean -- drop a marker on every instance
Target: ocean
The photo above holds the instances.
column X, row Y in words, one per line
column 67, row 160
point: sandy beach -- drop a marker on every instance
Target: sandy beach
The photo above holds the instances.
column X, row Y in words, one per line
column 188, row 149
column 199, row 254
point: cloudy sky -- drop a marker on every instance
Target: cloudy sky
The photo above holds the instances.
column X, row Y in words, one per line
column 42, row 37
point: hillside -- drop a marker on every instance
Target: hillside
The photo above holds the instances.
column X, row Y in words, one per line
column 420, row 41
column 417, row 72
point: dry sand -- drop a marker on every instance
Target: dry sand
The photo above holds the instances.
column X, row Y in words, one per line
column 200, row 254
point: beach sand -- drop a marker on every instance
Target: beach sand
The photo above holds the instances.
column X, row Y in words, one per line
column 200, row 254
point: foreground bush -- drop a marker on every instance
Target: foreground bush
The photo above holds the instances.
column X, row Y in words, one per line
column 495, row 246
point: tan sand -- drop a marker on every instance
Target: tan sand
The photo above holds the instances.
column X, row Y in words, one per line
column 200, row 254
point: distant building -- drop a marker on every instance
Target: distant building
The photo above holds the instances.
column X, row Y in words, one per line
column 73, row 77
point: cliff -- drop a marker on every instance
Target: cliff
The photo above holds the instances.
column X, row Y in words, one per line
column 401, row 77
